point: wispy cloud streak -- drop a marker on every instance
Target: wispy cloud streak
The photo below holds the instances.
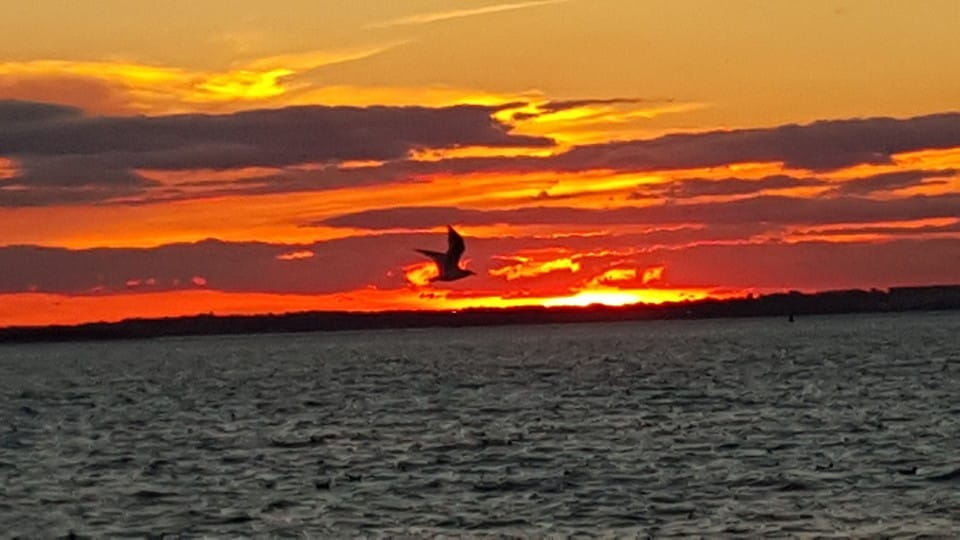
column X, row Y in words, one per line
column 116, row 87
column 425, row 18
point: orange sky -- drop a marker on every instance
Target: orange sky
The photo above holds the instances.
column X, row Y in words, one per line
column 289, row 156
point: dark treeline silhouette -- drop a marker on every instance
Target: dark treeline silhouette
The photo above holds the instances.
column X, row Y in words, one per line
column 792, row 304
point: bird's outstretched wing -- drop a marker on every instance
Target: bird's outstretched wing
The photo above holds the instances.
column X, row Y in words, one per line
column 455, row 245
column 439, row 258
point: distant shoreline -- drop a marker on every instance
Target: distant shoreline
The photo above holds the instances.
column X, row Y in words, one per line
column 796, row 304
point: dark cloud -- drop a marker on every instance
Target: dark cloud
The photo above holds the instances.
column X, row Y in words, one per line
column 890, row 181
column 521, row 116
column 223, row 266
column 564, row 105
column 761, row 209
column 335, row 265
column 699, row 187
column 819, row 146
column 816, row 265
column 70, row 180
column 47, row 196
column 13, row 112
column 886, row 230
column 823, row 145
column 351, row 263
column 90, row 94
column 686, row 188
column 287, row 181
column 274, row 137
column 61, row 147
column 317, row 134
column 556, row 106
column 78, row 171
column 332, row 135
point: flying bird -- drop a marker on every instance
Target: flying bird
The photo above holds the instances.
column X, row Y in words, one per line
column 449, row 263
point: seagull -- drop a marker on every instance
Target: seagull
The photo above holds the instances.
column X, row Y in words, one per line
column 449, row 263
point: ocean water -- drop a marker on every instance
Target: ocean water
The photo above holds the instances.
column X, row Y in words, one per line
column 829, row 426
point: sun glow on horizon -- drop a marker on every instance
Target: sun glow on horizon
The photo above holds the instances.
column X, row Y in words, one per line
column 38, row 308
column 623, row 297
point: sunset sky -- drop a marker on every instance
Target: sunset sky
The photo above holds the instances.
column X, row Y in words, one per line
column 249, row 157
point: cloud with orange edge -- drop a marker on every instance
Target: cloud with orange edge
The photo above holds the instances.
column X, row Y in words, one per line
column 420, row 274
column 525, row 267
column 8, row 168
column 613, row 275
column 58, row 147
column 295, row 255
column 654, row 273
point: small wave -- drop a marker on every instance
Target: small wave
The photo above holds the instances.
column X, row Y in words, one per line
column 71, row 535
column 505, row 486
column 498, row 524
column 794, row 485
column 29, row 411
column 238, row 518
column 10, row 441
column 153, row 468
column 949, row 476
column 279, row 504
column 314, row 440
column 151, row 494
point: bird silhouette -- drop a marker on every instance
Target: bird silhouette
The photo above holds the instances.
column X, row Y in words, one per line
column 448, row 264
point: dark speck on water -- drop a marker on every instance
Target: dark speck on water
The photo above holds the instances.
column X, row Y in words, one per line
column 832, row 426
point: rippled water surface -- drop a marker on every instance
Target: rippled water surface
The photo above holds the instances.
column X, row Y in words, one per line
column 828, row 426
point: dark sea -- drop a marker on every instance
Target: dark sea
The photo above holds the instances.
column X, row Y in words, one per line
column 826, row 427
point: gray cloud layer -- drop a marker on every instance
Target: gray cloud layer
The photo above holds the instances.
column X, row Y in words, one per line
column 14, row 112
column 255, row 267
column 57, row 146
column 108, row 148
column 699, row 187
column 274, row 137
column 823, row 145
column 761, row 209
column 686, row 188
column 890, row 181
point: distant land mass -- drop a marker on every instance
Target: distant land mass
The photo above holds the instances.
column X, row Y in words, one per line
column 790, row 304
